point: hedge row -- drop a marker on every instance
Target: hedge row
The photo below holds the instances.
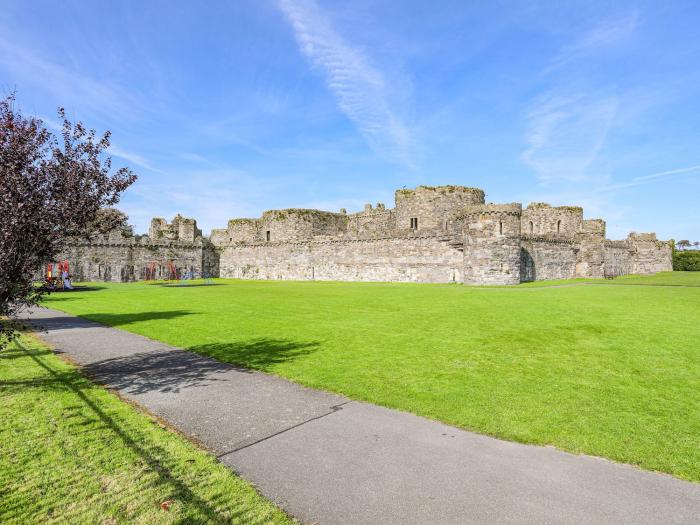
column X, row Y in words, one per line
column 687, row 261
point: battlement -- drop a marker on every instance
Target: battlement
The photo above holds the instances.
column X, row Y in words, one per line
column 180, row 229
column 634, row 236
column 513, row 209
column 540, row 218
column 594, row 227
column 433, row 234
column 476, row 194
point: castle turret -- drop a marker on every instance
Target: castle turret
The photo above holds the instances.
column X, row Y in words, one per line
column 492, row 243
column 590, row 259
column 431, row 207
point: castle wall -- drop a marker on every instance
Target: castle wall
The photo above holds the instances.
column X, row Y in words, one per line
column 433, row 206
column 119, row 258
column 434, row 234
column 544, row 258
column 410, row 259
column 543, row 219
column 128, row 260
column 618, row 258
column 371, row 223
column 492, row 242
column 649, row 254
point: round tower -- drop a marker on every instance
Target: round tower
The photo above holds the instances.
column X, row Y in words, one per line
column 431, row 207
column 492, row 243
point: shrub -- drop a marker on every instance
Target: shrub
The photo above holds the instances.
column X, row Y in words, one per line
column 686, row 261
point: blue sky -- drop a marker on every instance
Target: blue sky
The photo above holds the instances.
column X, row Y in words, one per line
column 225, row 109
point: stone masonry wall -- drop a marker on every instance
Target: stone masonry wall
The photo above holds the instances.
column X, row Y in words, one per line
column 433, row 206
column 116, row 257
column 543, row 219
column 491, row 246
column 433, row 234
column 128, row 260
column 618, row 258
column 409, row 259
column 544, row 258
column 648, row 254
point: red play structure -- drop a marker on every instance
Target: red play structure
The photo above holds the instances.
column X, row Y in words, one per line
column 54, row 276
column 150, row 273
column 172, row 273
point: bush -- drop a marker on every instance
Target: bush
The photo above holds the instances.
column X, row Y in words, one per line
column 688, row 261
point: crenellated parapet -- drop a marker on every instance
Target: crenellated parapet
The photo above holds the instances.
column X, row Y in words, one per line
column 432, row 207
column 179, row 229
column 432, row 234
column 540, row 218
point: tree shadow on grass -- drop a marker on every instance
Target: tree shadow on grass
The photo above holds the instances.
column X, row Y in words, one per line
column 170, row 371
column 258, row 354
column 110, row 319
column 156, row 458
column 47, row 324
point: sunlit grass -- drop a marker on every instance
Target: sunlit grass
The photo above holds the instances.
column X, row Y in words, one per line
column 592, row 367
column 71, row 452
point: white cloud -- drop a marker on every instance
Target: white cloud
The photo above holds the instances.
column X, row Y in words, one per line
column 565, row 135
column 67, row 85
column 362, row 91
column 648, row 179
column 607, row 33
column 134, row 158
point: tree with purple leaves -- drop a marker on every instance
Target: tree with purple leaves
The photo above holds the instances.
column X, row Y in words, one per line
column 52, row 188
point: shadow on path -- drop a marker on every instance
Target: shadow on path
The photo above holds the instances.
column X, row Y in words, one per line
column 155, row 457
column 167, row 371
column 174, row 370
column 258, row 354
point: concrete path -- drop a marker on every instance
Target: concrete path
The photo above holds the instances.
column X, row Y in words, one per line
column 326, row 459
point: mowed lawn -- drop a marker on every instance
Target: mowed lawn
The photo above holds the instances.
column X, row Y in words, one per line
column 71, row 452
column 605, row 369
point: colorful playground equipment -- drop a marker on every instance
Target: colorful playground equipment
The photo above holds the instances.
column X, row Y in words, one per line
column 171, row 274
column 149, row 273
column 58, row 276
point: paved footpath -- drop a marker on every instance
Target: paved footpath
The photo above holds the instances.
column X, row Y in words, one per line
column 326, row 459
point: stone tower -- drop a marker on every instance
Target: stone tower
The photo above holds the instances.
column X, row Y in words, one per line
column 492, row 243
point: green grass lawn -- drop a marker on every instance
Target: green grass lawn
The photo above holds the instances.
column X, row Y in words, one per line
column 71, row 452
column 604, row 369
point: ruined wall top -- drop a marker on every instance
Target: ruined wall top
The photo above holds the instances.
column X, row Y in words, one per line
column 180, row 229
column 475, row 195
column 513, row 208
column 425, row 210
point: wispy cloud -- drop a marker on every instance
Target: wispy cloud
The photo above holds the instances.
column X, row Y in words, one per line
column 361, row 89
column 565, row 134
column 134, row 158
column 605, row 34
column 568, row 125
column 648, row 179
column 130, row 156
column 67, row 84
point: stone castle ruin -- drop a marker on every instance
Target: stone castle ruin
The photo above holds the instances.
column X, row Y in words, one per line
column 444, row 234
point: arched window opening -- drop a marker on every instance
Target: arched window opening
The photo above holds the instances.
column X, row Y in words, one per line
column 558, row 226
column 532, row 228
